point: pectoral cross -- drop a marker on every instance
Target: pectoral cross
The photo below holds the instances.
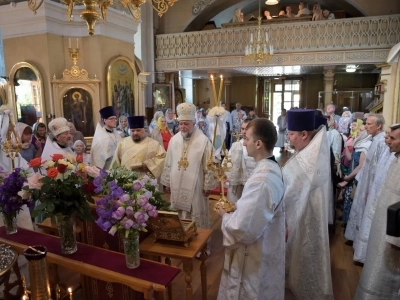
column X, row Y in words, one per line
column 237, row 136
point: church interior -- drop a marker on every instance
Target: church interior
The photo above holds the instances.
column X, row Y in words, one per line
column 71, row 58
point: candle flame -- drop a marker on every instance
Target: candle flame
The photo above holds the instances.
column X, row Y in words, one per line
column 69, row 290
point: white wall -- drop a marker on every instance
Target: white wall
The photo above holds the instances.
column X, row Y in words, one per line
column 2, row 60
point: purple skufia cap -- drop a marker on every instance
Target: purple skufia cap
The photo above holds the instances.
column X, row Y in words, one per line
column 136, row 122
column 301, row 119
column 107, row 112
column 320, row 121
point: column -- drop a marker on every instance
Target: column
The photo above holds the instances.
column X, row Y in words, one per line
column 329, row 74
column 389, row 81
column 2, row 59
column 227, row 90
column 140, row 106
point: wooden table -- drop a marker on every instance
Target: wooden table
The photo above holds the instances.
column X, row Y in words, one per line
column 86, row 261
column 176, row 250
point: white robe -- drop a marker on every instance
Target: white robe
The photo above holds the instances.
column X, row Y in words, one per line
column 242, row 168
column 103, row 147
column 254, row 239
column 282, row 126
column 307, row 178
column 53, row 148
column 365, row 180
column 361, row 240
column 187, row 185
column 380, row 278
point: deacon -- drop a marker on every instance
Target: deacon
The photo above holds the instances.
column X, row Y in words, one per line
column 254, row 234
column 242, row 166
column 105, row 139
column 308, row 183
column 185, row 170
column 59, row 141
column 366, row 175
column 380, row 277
column 139, row 152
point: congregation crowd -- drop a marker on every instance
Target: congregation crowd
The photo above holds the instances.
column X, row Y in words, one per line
column 276, row 238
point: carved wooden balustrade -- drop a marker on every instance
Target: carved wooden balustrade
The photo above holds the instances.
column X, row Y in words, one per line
column 353, row 40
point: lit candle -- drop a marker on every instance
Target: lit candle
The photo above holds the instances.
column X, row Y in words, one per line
column 214, row 91
column 77, row 44
column 23, row 297
column 70, row 293
column 266, row 37
column 69, row 43
column 272, row 50
column 220, row 88
column 251, row 38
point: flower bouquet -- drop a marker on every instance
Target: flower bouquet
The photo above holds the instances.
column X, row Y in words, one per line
column 127, row 204
column 11, row 201
column 59, row 188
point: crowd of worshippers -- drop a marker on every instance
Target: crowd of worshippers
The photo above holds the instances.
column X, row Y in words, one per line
column 318, row 13
column 276, row 238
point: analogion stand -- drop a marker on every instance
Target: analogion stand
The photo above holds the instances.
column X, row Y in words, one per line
column 176, row 250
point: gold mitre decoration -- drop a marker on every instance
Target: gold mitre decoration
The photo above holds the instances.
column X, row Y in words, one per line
column 186, row 112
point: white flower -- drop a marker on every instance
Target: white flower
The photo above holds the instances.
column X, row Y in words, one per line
column 49, row 164
column 92, row 171
column 216, row 111
column 113, row 230
column 70, row 166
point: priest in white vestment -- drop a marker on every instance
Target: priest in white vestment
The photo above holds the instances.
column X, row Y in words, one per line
column 374, row 127
column 24, row 217
column 138, row 152
column 380, row 278
column 282, row 128
column 360, row 243
column 254, row 234
column 185, row 169
column 307, row 178
column 59, row 141
column 105, row 139
column 242, row 166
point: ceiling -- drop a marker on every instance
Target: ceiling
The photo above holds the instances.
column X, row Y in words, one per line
column 273, row 71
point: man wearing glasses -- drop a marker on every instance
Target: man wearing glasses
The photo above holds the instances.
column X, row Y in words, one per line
column 106, row 139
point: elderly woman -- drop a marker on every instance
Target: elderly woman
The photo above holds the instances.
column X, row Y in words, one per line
column 162, row 133
column 39, row 134
column 24, row 134
column 80, row 149
column 123, row 127
column 76, row 135
column 153, row 123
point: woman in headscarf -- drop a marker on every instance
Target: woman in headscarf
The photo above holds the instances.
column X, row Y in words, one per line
column 80, row 149
column 39, row 134
column 153, row 123
column 172, row 123
column 123, row 127
column 162, row 133
column 358, row 155
column 24, row 135
column 344, row 122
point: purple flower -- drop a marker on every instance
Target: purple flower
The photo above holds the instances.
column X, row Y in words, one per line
column 103, row 173
column 129, row 211
column 139, row 218
column 113, row 185
column 154, row 182
column 148, row 194
column 128, row 224
column 153, row 213
column 119, row 213
column 148, row 207
column 137, row 185
column 98, row 182
column 142, row 200
column 118, row 192
column 124, row 198
column 103, row 224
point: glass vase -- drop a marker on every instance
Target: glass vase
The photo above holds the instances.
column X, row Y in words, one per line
column 10, row 222
column 131, row 250
column 66, row 232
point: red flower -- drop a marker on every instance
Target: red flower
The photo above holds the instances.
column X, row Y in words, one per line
column 89, row 187
column 62, row 168
column 52, row 172
column 36, row 162
column 79, row 158
column 56, row 157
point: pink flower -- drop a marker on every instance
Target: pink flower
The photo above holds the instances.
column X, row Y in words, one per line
column 139, row 218
column 137, row 185
column 153, row 213
column 124, row 198
column 92, row 171
column 128, row 224
column 119, row 213
column 142, row 200
column 129, row 211
column 34, row 181
column 148, row 206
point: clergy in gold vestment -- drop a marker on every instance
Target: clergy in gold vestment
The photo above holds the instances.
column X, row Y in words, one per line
column 138, row 152
column 307, row 182
column 185, row 171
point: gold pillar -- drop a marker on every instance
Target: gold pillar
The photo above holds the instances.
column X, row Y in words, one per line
column 389, row 80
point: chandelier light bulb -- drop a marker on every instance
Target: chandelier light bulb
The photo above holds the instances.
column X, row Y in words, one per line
column 271, row 2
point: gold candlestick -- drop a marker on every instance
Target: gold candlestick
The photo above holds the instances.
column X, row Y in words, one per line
column 214, row 90
column 12, row 146
column 220, row 90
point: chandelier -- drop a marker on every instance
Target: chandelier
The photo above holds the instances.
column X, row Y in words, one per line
column 259, row 49
column 90, row 14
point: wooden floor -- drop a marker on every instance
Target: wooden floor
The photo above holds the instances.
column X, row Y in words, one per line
column 345, row 274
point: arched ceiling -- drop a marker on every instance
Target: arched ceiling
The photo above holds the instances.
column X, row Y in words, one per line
column 223, row 9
